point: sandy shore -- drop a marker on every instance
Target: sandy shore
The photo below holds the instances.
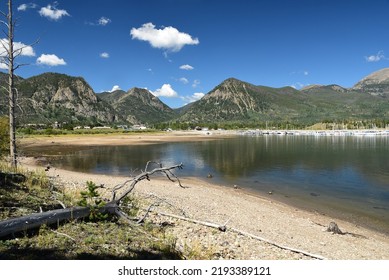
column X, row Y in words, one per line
column 202, row 200
column 123, row 139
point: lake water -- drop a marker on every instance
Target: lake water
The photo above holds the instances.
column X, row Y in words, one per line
column 343, row 176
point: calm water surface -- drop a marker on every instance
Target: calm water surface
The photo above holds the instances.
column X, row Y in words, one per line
column 343, row 176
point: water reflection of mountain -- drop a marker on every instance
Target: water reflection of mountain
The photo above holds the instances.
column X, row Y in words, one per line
column 245, row 156
column 115, row 160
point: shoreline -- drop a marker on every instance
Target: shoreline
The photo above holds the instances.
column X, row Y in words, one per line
column 62, row 143
column 123, row 139
column 258, row 215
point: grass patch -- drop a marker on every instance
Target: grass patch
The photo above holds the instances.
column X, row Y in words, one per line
column 27, row 197
column 102, row 240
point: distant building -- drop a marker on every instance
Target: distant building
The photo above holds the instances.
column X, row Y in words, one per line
column 81, row 127
column 56, row 125
column 139, row 127
column 102, row 127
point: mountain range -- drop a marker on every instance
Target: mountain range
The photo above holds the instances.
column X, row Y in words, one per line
column 51, row 97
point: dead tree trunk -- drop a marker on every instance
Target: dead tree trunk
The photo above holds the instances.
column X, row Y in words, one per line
column 12, row 226
column 15, row 225
column 8, row 57
column 11, row 86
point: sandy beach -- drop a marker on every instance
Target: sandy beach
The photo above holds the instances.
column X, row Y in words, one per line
column 123, row 139
column 240, row 211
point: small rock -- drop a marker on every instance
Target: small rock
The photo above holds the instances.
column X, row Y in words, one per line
column 333, row 227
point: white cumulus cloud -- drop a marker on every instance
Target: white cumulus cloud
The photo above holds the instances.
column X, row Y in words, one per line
column 166, row 90
column 114, row 88
column 19, row 48
column 104, row 21
column 197, row 96
column 375, row 58
column 22, row 7
column 168, row 38
column 104, row 55
column 51, row 12
column 50, row 60
column 25, row 7
column 186, row 67
column 194, row 97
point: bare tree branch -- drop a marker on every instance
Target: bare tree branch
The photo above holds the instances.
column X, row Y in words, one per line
column 145, row 175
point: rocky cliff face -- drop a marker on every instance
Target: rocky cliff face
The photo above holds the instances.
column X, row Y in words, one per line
column 236, row 93
column 57, row 97
column 54, row 97
column 138, row 106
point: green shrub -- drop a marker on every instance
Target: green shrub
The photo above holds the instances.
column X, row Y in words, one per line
column 91, row 198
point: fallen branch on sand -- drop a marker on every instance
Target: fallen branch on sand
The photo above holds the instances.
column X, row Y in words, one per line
column 224, row 228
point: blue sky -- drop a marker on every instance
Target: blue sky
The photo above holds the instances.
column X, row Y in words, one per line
column 182, row 49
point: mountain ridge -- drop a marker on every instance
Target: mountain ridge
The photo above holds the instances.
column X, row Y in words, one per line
column 138, row 106
column 50, row 97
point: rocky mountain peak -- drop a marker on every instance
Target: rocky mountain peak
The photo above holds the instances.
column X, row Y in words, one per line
column 380, row 76
column 138, row 105
column 376, row 83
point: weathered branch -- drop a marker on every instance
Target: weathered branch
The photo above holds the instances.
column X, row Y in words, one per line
column 141, row 220
column 319, row 257
column 156, row 204
column 145, row 175
column 223, row 228
column 208, row 224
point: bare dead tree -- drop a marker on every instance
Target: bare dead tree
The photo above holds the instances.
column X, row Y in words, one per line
column 7, row 58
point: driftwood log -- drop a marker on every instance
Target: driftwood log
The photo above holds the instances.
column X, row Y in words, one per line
column 15, row 225
column 12, row 226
